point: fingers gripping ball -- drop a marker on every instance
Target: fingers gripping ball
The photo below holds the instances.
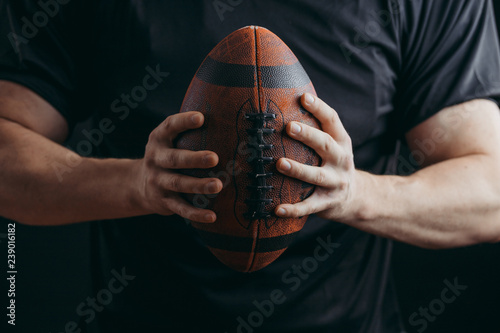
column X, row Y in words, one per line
column 249, row 89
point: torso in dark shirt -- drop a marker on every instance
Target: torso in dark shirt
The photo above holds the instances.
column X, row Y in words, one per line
column 179, row 283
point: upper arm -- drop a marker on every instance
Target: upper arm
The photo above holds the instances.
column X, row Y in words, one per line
column 449, row 54
column 465, row 136
column 21, row 105
column 465, row 129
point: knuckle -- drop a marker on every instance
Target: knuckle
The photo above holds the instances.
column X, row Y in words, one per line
column 150, row 159
column 152, row 136
column 171, row 160
column 181, row 159
column 175, row 183
column 152, row 180
column 166, row 206
column 328, row 143
column 346, row 160
column 349, row 161
column 332, row 119
column 320, row 177
column 348, row 140
column 186, row 213
column 343, row 185
column 182, row 212
column 168, row 123
column 190, row 214
column 334, row 116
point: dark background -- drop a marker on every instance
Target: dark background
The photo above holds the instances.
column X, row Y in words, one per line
column 53, row 278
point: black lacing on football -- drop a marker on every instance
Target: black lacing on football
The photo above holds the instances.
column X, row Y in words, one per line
column 258, row 145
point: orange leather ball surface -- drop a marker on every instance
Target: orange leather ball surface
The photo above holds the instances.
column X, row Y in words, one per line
column 249, row 89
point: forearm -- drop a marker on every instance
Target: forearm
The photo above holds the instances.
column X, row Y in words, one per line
column 43, row 183
column 449, row 204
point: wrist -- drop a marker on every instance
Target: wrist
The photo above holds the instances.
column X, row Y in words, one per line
column 356, row 208
column 373, row 198
column 135, row 188
column 121, row 190
column 362, row 203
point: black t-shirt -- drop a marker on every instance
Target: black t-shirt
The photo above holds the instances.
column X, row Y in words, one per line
column 384, row 65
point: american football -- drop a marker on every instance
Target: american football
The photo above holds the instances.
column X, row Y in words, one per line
column 249, row 88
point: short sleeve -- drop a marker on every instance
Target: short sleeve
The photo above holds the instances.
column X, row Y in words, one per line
column 34, row 52
column 450, row 55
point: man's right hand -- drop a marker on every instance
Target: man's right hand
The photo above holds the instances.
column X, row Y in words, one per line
column 160, row 185
column 34, row 191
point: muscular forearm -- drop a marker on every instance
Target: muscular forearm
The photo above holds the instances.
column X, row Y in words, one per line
column 449, row 204
column 454, row 200
column 43, row 183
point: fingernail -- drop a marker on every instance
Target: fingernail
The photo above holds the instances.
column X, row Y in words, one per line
column 281, row 211
column 207, row 159
column 309, row 99
column 285, row 165
column 213, row 187
column 196, row 118
column 295, row 128
column 209, row 218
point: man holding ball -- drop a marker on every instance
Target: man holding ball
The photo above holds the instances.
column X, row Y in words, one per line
column 423, row 74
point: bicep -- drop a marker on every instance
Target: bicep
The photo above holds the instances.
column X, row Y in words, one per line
column 20, row 105
column 461, row 130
